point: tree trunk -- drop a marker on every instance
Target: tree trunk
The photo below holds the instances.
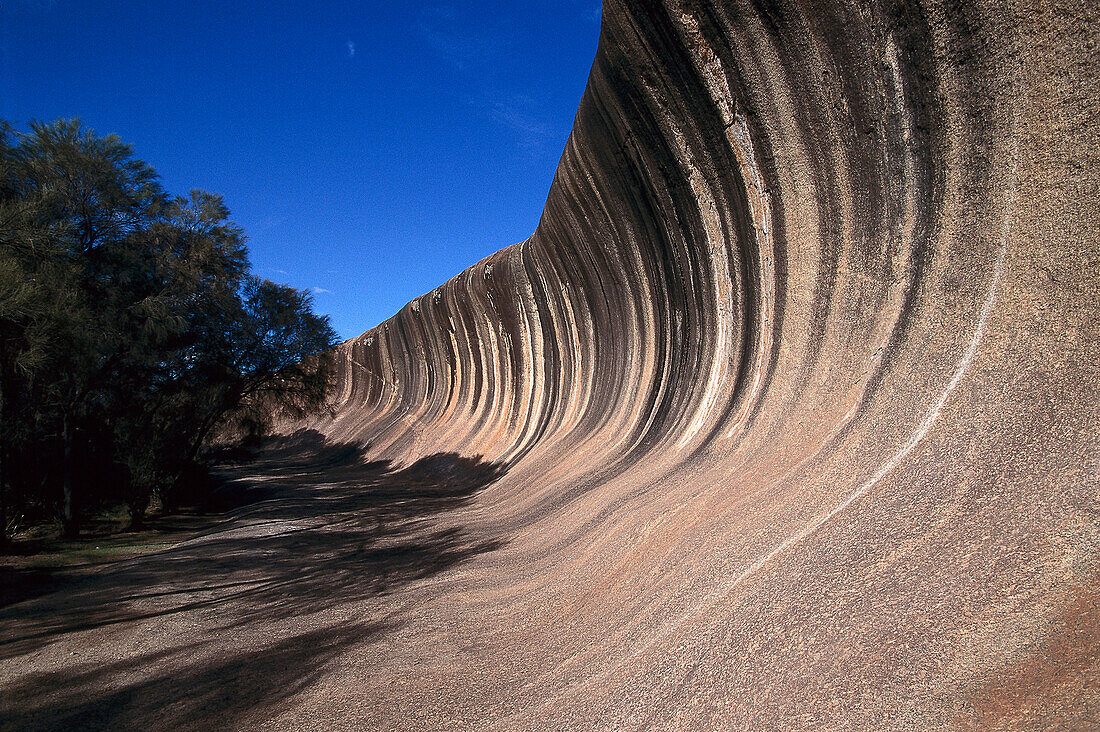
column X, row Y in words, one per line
column 3, row 493
column 137, row 518
column 3, row 505
column 138, row 504
column 69, row 520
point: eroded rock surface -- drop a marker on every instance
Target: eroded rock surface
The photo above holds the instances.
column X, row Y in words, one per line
column 796, row 380
column 785, row 417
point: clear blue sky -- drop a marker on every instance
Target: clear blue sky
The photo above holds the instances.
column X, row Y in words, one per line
column 370, row 150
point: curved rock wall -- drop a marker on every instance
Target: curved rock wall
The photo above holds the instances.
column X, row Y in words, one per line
column 795, row 385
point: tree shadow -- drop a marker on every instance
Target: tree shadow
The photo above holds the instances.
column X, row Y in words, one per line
column 316, row 527
column 221, row 693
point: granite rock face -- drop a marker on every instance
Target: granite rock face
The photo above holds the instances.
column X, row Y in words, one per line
column 796, row 387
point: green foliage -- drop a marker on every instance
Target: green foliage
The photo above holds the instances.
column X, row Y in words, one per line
column 130, row 328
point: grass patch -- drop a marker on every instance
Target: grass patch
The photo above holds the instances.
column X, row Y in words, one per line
column 40, row 560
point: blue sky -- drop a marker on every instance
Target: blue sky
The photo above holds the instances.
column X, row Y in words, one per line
column 370, row 150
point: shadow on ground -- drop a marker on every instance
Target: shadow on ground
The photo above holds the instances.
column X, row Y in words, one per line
column 321, row 529
column 215, row 694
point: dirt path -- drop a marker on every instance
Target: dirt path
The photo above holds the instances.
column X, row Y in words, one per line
column 225, row 625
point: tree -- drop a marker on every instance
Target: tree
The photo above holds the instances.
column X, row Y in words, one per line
column 183, row 276
column 130, row 327
column 69, row 198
